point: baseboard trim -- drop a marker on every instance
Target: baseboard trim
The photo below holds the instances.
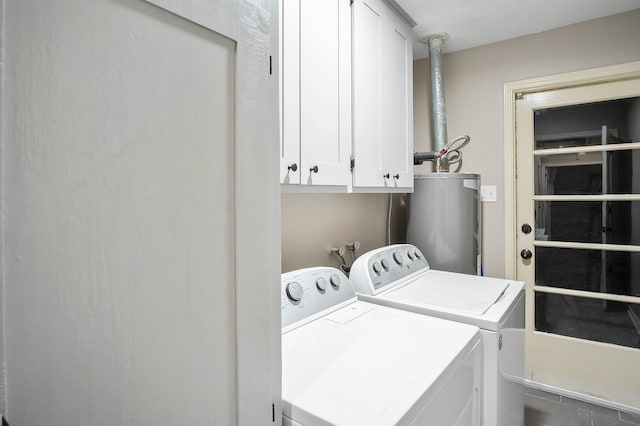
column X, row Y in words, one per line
column 582, row 397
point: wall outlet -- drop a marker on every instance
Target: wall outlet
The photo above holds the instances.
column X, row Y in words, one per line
column 488, row 193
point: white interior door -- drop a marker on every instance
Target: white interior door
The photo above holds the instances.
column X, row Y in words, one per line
column 141, row 285
column 578, row 237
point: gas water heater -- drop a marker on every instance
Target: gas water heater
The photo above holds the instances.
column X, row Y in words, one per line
column 445, row 221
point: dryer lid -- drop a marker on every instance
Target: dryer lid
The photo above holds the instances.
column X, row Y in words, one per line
column 466, row 293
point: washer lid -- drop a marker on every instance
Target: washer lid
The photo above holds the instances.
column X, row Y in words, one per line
column 466, row 293
column 368, row 364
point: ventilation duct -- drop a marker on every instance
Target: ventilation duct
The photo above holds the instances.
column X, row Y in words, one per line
column 436, row 44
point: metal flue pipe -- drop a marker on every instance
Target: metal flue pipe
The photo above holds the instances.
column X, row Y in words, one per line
column 436, row 44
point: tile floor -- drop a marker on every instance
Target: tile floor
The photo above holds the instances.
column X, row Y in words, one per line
column 548, row 409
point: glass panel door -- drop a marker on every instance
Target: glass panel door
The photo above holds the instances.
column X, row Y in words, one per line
column 578, row 186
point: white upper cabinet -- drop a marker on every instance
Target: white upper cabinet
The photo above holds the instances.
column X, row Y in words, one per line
column 346, row 93
column 316, row 127
column 382, row 99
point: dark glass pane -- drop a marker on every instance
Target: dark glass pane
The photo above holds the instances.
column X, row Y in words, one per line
column 581, row 221
column 580, row 269
column 581, row 174
column 581, row 125
column 585, row 318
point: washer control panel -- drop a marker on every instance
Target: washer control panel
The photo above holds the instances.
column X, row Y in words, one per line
column 386, row 266
column 308, row 292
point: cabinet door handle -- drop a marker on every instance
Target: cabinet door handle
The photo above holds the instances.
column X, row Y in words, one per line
column 314, row 169
column 293, row 167
column 386, row 175
column 396, row 176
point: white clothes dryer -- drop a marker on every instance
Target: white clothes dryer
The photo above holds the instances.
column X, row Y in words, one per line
column 399, row 276
column 347, row 362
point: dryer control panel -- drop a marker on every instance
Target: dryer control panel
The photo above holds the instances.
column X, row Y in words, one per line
column 307, row 294
column 375, row 270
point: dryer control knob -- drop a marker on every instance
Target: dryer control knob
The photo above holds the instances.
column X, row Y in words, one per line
column 398, row 257
column 294, row 291
column 376, row 268
column 411, row 254
column 335, row 281
column 321, row 284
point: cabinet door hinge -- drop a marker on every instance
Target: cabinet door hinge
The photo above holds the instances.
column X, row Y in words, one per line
column 352, row 163
column 519, row 96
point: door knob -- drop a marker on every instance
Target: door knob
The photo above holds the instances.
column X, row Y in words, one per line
column 526, row 228
column 526, row 254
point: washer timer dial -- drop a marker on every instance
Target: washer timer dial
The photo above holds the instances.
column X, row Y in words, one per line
column 294, row 291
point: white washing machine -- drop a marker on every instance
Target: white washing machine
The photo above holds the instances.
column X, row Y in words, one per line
column 399, row 276
column 347, row 362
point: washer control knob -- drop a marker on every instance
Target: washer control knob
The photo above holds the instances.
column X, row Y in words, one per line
column 321, row 284
column 335, row 281
column 386, row 264
column 294, row 291
column 398, row 257
column 411, row 254
column 417, row 254
column 377, row 268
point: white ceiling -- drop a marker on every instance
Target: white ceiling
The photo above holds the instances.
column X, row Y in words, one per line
column 471, row 23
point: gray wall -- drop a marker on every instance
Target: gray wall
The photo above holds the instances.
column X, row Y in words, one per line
column 313, row 222
column 474, row 80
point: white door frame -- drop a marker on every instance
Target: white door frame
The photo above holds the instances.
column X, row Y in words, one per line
column 511, row 90
column 257, row 190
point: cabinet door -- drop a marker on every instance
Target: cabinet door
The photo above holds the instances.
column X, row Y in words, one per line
column 397, row 104
column 325, row 105
column 317, row 90
column 367, row 105
column 290, row 74
column 382, row 88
